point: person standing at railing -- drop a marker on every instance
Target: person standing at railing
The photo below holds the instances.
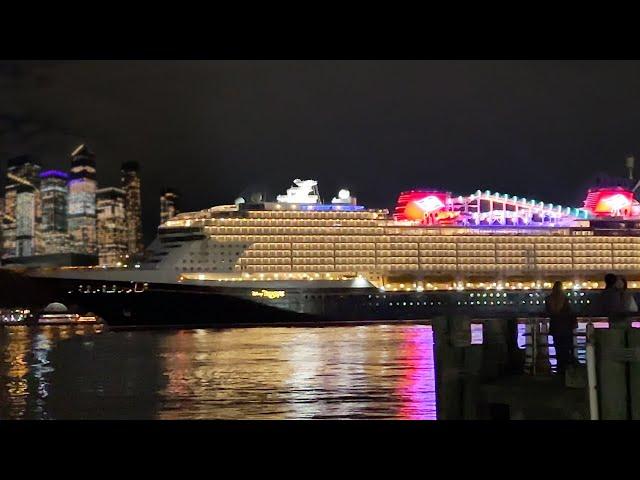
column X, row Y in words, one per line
column 629, row 304
column 562, row 323
column 609, row 302
column 621, row 317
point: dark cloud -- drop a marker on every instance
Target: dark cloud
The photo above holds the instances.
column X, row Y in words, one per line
column 211, row 129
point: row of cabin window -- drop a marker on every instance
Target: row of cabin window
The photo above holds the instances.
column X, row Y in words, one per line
column 199, row 269
column 316, row 222
column 285, row 214
column 448, row 240
column 297, row 230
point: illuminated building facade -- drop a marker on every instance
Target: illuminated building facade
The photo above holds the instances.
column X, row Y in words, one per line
column 54, row 192
column 22, row 207
column 81, row 211
column 133, row 211
column 112, row 228
column 168, row 205
column 26, row 222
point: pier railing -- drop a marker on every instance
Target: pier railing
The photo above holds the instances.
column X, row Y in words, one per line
column 540, row 346
column 473, row 353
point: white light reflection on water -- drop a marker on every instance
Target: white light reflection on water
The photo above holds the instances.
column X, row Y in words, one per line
column 25, row 368
column 296, row 373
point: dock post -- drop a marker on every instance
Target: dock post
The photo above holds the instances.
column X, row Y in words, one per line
column 633, row 338
column 446, row 360
column 495, row 348
column 611, row 373
column 592, row 378
column 473, row 360
column 451, row 334
column 540, row 362
column 515, row 356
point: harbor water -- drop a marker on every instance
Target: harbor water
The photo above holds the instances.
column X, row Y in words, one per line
column 89, row 372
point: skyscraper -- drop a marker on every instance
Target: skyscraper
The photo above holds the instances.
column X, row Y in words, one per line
column 112, row 228
column 81, row 212
column 53, row 226
column 133, row 212
column 168, row 205
column 22, row 207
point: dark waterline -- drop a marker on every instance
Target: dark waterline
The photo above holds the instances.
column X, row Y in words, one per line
column 373, row 371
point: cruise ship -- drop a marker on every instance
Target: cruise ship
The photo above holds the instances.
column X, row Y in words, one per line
column 296, row 259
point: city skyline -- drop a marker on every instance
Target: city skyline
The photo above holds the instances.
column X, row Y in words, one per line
column 57, row 212
column 62, row 168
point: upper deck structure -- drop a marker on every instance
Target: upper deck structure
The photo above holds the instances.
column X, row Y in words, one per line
column 432, row 237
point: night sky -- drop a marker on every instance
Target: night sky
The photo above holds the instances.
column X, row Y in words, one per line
column 538, row 129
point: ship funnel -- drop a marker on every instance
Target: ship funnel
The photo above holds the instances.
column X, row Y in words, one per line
column 629, row 162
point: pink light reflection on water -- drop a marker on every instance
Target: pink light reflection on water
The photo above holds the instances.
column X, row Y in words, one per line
column 417, row 388
column 477, row 334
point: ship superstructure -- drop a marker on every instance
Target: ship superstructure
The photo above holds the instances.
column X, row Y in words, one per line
column 432, row 238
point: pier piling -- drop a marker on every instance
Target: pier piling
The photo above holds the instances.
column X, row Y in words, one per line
column 611, row 373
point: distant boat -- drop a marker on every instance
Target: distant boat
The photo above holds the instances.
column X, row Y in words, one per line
column 65, row 319
column 57, row 314
column 15, row 316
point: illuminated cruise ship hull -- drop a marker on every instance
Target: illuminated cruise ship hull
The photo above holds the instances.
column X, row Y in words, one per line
column 168, row 305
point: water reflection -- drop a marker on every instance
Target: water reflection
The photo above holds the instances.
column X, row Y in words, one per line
column 417, row 386
column 25, row 368
column 13, row 371
column 273, row 373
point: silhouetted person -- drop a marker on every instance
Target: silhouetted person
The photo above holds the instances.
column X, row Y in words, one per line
column 561, row 325
column 609, row 302
column 629, row 304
